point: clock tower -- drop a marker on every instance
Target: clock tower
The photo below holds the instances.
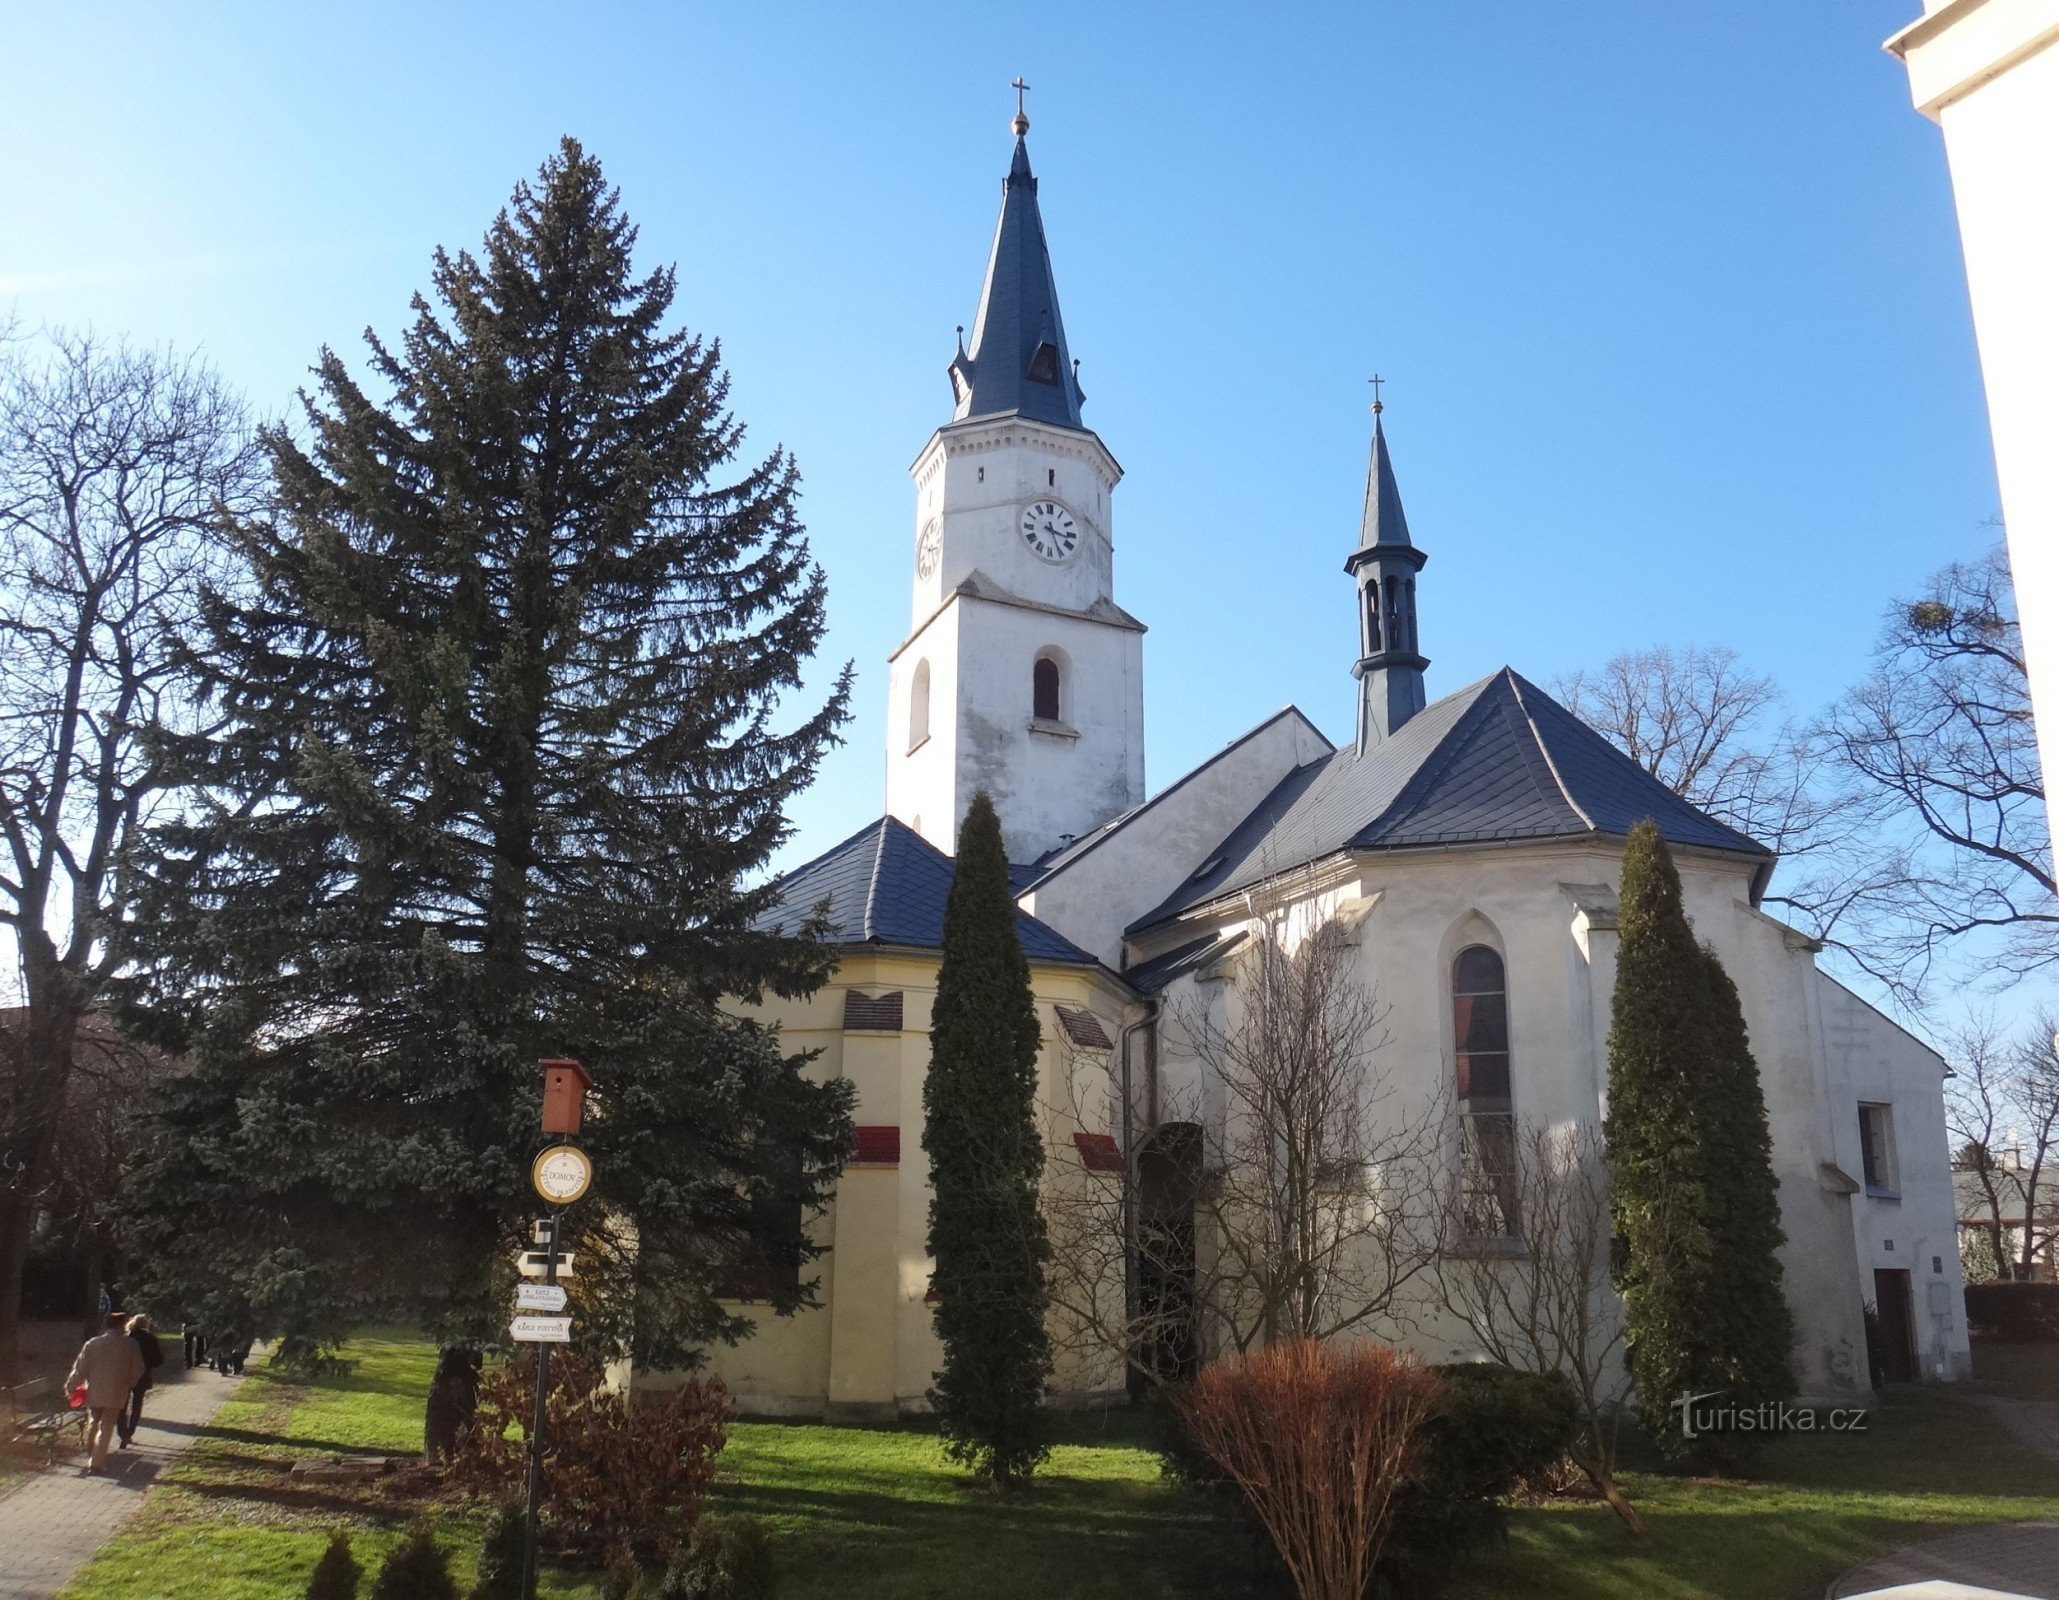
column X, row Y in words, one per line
column 1020, row 674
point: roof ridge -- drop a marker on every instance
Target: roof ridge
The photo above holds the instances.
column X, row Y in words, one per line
column 879, row 855
column 1515, row 682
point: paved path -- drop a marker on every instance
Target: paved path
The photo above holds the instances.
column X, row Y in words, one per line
column 53, row 1522
column 2010, row 1559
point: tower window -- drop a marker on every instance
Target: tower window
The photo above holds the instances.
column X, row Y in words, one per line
column 1051, row 477
column 1043, row 364
column 1044, row 704
column 1372, row 619
column 918, row 706
column 1487, row 1122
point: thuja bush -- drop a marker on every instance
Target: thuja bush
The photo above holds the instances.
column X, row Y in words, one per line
column 499, row 1573
column 728, row 1558
column 1319, row 1438
column 415, row 1569
column 336, row 1575
column 619, row 1477
column 1494, row 1427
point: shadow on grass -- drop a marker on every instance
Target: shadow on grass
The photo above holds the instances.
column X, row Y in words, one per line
column 298, row 1444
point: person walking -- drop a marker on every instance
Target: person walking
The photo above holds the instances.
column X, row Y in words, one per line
column 108, row 1368
column 153, row 1358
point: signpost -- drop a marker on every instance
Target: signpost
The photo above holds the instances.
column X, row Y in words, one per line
column 560, row 1174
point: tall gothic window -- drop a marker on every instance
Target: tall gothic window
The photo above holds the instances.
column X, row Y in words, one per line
column 1372, row 619
column 918, row 705
column 1487, row 1122
column 1044, row 690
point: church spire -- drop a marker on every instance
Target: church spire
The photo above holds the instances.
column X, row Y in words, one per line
column 1018, row 361
column 1390, row 663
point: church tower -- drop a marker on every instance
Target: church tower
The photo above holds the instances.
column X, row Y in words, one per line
column 1390, row 662
column 1020, row 674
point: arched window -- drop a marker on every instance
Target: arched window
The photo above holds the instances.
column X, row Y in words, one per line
column 918, row 705
column 1487, row 1122
column 1044, row 701
column 1372, row 619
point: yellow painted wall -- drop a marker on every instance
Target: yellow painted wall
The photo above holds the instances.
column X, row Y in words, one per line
column 870, row 1348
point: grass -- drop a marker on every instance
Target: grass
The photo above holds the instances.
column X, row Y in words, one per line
column 866, row 1514
column 2028, row 1371
column 224, row 1523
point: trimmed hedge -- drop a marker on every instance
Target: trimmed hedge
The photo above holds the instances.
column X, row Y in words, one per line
column 2013, row 1313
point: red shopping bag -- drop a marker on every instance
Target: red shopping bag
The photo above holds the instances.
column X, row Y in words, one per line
column 77, row 1397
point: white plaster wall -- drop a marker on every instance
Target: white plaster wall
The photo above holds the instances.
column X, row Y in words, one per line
column 1046, row 785
column 1092, row 898
column 1561, row 969
column 1869, row 1058
column 1988, row 72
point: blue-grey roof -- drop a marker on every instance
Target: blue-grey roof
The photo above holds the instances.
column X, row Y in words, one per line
column 1019, row 362
column 1383, row 524
column 1148, row 977
column 1498, row 760
column 887, row 885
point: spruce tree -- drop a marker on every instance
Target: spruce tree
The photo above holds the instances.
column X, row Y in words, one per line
column 1691, row 1183
column 986, row 1157
column 415, row 1569
column 506, row 730
column 502, row 1554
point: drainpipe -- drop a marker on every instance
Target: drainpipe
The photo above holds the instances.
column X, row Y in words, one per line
column 1130, row 1287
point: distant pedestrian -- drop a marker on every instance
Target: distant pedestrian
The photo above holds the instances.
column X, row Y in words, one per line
column 153, row 1358
column 195, row 1342
column 108, row 1368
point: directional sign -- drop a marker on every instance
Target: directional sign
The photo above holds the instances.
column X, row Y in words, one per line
column 541, row 1330
column 534, row 1264
column 539, row 1297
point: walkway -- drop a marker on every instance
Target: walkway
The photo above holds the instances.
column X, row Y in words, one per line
column 53, row 1522
column 2011, row 1559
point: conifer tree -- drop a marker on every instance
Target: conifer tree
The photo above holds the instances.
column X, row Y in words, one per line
column 502, row 1554
column 986, row 1158
column 415, row 1569
column 336, row 1575
column 1690, row 1161
column 505, row 736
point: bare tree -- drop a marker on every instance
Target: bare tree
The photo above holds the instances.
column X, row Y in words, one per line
column 1538, row 1297
column 1977, row 1113
column 1303, row 1185
column 1939, row 737
column 1704, row 726
column 114, row 465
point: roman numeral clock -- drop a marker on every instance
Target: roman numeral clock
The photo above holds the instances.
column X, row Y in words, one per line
column 1049, row 529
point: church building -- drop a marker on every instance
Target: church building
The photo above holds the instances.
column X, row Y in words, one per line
column 1466, row 848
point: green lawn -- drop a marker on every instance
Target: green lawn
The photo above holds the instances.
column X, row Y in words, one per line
column 2028, row 1370
column 866, row 1514
column 224, row 1524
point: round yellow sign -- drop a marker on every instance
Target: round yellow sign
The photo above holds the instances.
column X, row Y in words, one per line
column 561, row 1174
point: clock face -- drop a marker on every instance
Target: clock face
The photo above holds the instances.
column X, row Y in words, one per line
column 927, row 549
column 1048, row 529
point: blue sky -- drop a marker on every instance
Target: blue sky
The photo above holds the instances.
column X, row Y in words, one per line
column 1670, row 298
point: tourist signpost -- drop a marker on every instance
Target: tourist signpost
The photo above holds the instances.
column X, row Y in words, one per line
column 561, row 1174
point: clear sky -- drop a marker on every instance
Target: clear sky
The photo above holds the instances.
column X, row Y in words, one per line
column 1670, row 297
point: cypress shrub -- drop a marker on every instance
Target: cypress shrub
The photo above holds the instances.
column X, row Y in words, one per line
column 728, row 1558
column 336, row 1575
column 499, row 1575
column 986, row 1228
column 416, row 1569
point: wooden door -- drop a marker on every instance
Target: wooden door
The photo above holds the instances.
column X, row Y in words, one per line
column 1897, row 1325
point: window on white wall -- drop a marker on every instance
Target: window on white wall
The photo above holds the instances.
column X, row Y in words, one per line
column 1045, row 703
column 918, row 705
column 1487, row 1121
column 1877, row 1147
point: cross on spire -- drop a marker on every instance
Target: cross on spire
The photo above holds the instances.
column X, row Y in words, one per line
column 1021, row 118
column 1376, row 380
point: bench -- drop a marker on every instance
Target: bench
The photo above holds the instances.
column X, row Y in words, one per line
column 38, row 1414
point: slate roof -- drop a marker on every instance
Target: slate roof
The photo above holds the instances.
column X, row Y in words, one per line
column 1018, row 314
column 1383, row 524
column 886, row 885
column 1148, row 977
column 1498, row 760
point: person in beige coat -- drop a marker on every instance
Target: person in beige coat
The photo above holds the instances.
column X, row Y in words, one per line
column 110, row 1366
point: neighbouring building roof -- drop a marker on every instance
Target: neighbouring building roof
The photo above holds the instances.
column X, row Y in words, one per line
column 886, row 885
column 1497, row 761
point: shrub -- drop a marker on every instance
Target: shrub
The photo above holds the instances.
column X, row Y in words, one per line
column 499, row 1576
column 416, row 1569
column 1318, row 1437
column 620, row 1477
column 623, row 1579
column 728, row 1558
column 2015, row 1313
column 1494, row 1428
column 336, row 1575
